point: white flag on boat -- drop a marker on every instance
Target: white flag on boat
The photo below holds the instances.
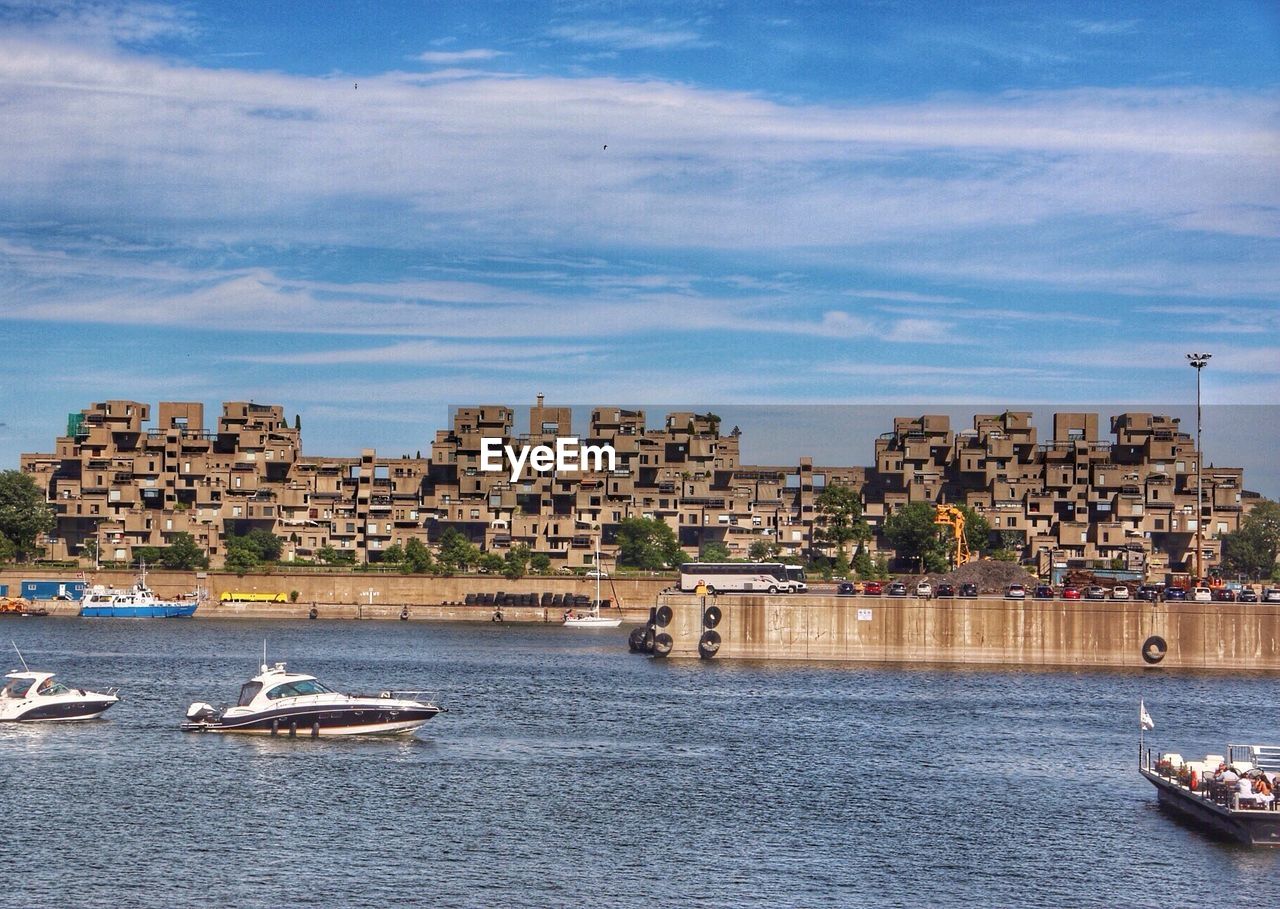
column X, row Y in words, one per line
column 1144, row 718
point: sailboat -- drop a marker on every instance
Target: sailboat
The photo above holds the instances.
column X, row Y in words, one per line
column 592, row 619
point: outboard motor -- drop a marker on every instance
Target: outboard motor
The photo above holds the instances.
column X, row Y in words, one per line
column 200, row 712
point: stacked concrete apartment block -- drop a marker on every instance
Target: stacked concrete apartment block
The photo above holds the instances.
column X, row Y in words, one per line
column 116, row 480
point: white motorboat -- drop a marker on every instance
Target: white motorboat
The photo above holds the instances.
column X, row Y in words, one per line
column 38, row 697
column 278, row 702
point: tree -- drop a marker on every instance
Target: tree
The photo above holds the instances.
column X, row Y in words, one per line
column 24, row 513
column 492, row 562
column 714, row 551
column 456, row 551
column 1250, row 552
column 862, row 565
column 241, row 556
column 297, row 422
column 417, row 557
column 647, row 543
column 840, row 517
column 762, row 551
column 516, row 562
column 393, row 554
column 184, row 554
column 540, row 562
column 912, row 532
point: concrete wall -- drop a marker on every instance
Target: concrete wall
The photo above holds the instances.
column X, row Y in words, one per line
column 333, row 592
column 1233, row 636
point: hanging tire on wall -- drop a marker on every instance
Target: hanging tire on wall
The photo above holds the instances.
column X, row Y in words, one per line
column 709, row 644
column 662, row 643
column 662, row 616
column 635, row 640
column 1154, row 648
column 711, row 617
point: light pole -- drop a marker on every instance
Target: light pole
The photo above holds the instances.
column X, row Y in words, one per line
column 1198, row 361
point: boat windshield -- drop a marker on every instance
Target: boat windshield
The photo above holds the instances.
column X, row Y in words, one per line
column 17, row 688
column 248, row 691
column 49, row 687
column 298, row 688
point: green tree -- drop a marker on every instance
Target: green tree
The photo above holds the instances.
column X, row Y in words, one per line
column 184, row 554
column 540, row 562
column 242, row 556
column 862, row 565
column 913, row 534
column 417, row 557
column 714, row 551
column 647, row 543
column 7, row 551
column 516, row 562
column 840, row 518
column 1249, row 552
column 457, row 552
column 393, row 554
column 328, row 555
column 24, row 513
column 762, row 551
column 492, row 562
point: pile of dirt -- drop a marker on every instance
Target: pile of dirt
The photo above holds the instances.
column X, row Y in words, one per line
column 991, row 576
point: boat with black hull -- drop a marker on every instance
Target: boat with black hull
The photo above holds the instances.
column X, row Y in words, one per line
column 1231, row 795
column 32, row 696
column 278, row 702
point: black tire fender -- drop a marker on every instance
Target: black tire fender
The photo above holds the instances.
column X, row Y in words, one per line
column 662, row 616
column 709, row 644
column 711, row 617
column 1154, row 649
column 662, row 643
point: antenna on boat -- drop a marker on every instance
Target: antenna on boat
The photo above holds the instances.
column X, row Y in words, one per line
column 264, row 654
column 25, row 667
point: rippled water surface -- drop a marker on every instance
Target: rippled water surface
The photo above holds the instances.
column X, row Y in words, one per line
column 571, row 773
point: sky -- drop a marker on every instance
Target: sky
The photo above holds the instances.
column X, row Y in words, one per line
column 367, row 212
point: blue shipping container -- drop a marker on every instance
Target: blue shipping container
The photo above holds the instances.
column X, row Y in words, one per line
column 4, row 590
column 52, row 590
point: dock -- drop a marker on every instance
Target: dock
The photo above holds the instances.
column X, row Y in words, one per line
column 1213, row 801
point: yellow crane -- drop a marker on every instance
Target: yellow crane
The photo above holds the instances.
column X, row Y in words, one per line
column 953, row 517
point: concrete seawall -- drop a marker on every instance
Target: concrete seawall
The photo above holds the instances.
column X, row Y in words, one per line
column 345, row 594
column 1226, row 636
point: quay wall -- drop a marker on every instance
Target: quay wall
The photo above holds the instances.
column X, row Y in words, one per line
column 345, row 594
column 992, row 631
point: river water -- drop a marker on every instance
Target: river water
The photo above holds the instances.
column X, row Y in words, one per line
column 569, row 772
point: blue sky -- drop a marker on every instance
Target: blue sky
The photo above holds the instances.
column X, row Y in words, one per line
column 817, row 203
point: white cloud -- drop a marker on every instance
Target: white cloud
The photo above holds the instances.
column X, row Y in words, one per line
column 659, row 35
column 464, row 56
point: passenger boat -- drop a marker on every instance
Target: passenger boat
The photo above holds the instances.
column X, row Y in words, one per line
column 30, row 696
column 278, row 702
column 1231, row 795
column 138, row 602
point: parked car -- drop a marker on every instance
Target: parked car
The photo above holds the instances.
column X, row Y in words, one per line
column 1015, row 592
column 1071, row 593
column 924, row 589
column 1044, row 592
column 1149, row 592
column 1271, row 595
column 1202, row 595
column 873, row 589
column 897, row 589
column 845, row 589
column 1248, row 595
column 946, row 590
column 597, row 573
column 1224, row 595
column 1175, row 593
column 968, row 591
column 1095, row 593
column 1120, row 592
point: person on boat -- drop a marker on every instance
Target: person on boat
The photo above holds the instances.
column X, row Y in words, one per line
column 1261, row 786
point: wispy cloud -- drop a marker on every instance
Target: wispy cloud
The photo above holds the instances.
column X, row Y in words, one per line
column 657, row 35
column 475, row 54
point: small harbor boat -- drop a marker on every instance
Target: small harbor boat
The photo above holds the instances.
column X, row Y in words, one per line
column 32, row 696
column 138, row 602
column 592, row 618
column 1229, row 794
column 278, row 702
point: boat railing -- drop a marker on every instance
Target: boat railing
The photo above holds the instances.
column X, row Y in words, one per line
column 420, row 694
column 1264, row 757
